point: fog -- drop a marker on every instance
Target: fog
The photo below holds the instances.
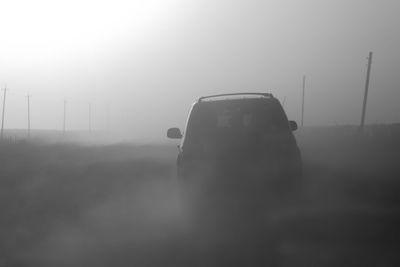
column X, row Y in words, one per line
column 113, row 190
column 121, row 205
column 140, row 64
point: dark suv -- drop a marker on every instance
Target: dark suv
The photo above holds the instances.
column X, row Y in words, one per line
column 237, row 141
column 238, row 164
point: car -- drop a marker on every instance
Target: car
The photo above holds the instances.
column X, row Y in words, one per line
column 238, row 144
column 238, row 166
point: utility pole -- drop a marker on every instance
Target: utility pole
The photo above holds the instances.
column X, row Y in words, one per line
column 90, row 117
column 65, row 114
column 4, row 108
column 284, row 101
column 108, row 118
column 366, row 90
column 29, row 115
column 302, row 103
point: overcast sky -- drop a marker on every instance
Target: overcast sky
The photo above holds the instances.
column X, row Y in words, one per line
column 141, row 64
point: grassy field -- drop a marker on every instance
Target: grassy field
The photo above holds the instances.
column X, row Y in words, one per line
column 117, row 205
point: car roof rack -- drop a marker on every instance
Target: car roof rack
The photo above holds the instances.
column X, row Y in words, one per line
column 268, row 95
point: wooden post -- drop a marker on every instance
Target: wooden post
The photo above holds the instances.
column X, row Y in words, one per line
column 4, row 108
column 302, row 104
column 366, row 91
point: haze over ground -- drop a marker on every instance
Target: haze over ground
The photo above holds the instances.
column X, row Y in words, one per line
column 142, row 63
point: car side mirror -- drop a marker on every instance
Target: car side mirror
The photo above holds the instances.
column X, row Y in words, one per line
column 174, row 133
column 293, row 125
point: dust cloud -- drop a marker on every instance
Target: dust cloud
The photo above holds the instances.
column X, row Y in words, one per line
column 120, row 205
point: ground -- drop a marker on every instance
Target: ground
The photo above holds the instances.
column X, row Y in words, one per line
column 117, row 205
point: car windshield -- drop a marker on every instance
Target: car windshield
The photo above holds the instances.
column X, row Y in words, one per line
column 238, row 119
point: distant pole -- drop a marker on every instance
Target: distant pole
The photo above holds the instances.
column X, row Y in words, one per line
column 4, row 108
column 284, row 101
column 108, row 118
column 65, row 115
column 366, row 90
column 29, row 115
column 90, row 117
column 302, row 102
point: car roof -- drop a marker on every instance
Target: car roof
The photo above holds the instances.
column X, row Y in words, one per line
column 235, row 96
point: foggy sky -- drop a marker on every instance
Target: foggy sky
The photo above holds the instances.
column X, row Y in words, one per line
column 141, row 64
